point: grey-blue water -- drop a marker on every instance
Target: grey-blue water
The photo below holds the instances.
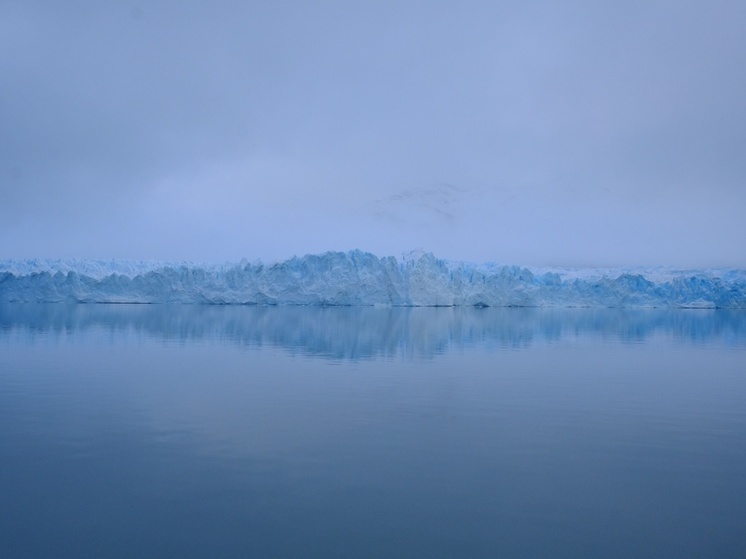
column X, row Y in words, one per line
column 195, row 431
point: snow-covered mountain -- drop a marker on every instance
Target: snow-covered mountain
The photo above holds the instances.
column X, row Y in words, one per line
column 359, row 278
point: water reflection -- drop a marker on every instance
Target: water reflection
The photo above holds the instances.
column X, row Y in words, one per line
column 567, row 447
column 363, row 333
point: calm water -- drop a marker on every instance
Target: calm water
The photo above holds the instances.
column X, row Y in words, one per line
column 158, row 431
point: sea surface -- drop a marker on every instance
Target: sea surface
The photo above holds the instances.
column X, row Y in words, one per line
column 218, row 431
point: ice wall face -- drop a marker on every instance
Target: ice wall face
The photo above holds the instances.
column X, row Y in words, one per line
column 359, row 279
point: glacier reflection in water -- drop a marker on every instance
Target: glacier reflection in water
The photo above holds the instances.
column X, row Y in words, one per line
column 367, row 332
column 200, row 431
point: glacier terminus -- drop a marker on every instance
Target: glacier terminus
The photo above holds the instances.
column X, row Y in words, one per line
column 358, row 278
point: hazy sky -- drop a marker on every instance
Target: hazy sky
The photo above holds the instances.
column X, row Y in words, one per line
column 561, row 133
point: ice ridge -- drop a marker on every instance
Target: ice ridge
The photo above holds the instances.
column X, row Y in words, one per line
column 359, row 278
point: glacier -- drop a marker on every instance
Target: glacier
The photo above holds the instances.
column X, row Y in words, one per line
column 358, row 278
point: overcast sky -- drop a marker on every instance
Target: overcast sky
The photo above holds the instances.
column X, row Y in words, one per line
column 557, row 133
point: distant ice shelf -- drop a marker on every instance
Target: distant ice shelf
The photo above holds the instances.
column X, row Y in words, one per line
column 359, row 278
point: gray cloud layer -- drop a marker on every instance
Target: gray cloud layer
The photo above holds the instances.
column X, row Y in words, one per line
column 527, row 132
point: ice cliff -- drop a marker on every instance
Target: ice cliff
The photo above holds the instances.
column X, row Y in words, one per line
column 361, row 279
